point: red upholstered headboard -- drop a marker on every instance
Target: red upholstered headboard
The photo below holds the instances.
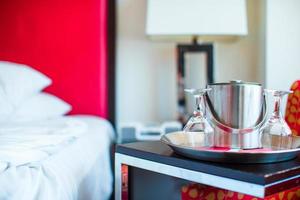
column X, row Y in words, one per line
column 71, row 41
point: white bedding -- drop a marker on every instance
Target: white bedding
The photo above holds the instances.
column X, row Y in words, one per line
column 62, row 159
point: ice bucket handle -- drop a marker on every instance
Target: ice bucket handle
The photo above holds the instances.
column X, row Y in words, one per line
column 220, row 125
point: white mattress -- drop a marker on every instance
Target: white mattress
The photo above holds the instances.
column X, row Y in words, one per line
column 79, row 170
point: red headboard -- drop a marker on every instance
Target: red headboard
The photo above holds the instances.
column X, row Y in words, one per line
column 71, row 41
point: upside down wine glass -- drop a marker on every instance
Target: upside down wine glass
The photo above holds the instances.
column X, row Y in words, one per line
column 198, row 122
column 276, row 126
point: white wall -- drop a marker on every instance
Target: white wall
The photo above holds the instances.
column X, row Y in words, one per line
column 282, row 43
column 146, row 76
column 146, row 70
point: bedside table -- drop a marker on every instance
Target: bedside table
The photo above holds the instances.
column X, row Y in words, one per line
column 258, row 180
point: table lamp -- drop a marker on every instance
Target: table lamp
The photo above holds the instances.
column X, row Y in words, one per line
column 198, row 20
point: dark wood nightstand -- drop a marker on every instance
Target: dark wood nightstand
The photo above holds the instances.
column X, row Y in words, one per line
column 258, row 180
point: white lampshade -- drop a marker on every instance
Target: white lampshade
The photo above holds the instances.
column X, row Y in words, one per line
column 196, row 18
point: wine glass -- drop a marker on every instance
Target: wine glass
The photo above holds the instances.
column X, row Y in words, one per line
column 198, row 122
column 276, row 131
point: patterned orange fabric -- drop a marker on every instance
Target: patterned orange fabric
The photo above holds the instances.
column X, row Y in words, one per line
column 292, row 112
column 124, row 182
column 201, row 192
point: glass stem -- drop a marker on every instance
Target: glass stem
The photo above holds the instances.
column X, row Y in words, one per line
column 199, row 111
column 277, row 112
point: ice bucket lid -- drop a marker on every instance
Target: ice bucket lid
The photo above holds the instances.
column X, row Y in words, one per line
column 236, row 82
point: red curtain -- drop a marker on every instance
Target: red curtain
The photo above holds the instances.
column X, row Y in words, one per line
column 64, row 39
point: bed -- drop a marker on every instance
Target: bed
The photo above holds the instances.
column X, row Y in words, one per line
column 78, row 170
column 72, row 43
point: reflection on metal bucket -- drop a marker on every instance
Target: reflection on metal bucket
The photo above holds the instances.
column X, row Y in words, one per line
column 237, row 111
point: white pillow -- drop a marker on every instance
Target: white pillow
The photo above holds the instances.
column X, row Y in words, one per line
column 40, row 107
column 20, row 81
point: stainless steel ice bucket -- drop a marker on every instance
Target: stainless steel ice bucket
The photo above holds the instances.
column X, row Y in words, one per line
column 236, row 110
